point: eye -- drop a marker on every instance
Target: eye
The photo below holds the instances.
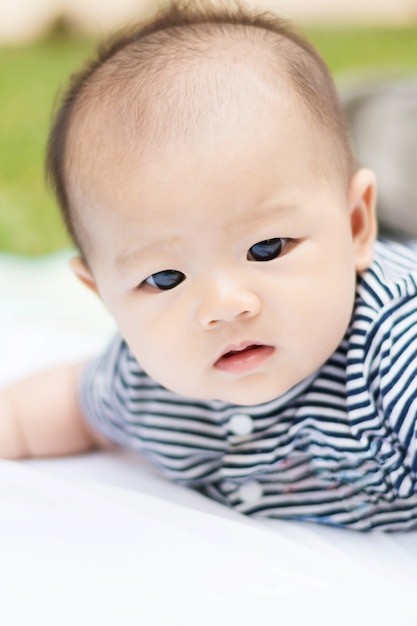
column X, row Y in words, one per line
column 267, row 250
column 168, row 279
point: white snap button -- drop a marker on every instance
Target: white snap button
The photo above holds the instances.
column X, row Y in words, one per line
column 241, row 424
column 249, row 492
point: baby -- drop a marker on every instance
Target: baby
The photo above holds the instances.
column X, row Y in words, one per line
column 267, row 352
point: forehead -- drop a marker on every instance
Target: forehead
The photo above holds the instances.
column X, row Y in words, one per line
column 137, row 105
column 229, row 101
column 209, row 184
column 140, row 117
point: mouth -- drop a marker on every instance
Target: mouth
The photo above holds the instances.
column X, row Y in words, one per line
column 243, row 357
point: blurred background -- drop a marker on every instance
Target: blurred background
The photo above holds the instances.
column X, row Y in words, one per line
column 370, row 46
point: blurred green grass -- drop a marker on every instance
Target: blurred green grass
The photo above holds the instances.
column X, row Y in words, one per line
column 30, row 77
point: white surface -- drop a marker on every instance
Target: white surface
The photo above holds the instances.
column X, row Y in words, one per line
column 46, row 316
column 103, row 539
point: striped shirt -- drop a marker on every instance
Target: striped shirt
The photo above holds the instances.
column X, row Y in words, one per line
column 338, row 448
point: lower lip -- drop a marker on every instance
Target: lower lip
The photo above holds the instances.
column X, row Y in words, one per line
column 245, row 360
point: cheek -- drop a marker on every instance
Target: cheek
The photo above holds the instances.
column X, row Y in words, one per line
column 316, row 297
column 163, row 347
column 330, row 307
column 154, row 329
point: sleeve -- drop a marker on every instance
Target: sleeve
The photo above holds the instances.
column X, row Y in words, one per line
column 391, row 366
column 104, row 391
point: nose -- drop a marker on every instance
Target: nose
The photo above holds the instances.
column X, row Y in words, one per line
column 226, row 300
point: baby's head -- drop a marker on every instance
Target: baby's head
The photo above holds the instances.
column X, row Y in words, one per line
column 204, row 171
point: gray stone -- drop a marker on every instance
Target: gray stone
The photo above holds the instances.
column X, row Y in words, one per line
column 383, row 119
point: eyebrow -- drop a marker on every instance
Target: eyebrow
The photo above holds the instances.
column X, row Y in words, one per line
column 128, row 257
column 268, row 211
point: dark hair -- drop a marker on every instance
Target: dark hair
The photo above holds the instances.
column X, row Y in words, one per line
column 174, row 27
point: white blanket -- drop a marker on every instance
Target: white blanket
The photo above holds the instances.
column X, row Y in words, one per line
column 103, row 539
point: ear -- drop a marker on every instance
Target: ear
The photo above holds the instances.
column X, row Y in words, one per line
column 362, row 196
column 82, row 272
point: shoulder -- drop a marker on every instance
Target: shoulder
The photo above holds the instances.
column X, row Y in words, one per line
column 116, row 385
column 115, row 376
column 383, row 332
column 392, row 277
column 115, row 361
column 387, row 292
column 381, row 361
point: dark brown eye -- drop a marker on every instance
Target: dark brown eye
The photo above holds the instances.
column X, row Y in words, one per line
column 266, row 250
column 167, row 279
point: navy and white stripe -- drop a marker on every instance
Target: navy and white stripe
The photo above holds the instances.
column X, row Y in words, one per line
column 339, row 448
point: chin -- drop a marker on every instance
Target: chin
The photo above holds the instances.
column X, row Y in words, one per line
column 251, row 397
column 246, row 391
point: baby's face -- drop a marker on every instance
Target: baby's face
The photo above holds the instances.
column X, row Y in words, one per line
column 228, row 262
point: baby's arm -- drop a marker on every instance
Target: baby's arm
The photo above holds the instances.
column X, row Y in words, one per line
column 40, row 416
